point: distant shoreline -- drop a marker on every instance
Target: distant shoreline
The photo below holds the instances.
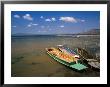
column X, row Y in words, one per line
column 73, row 35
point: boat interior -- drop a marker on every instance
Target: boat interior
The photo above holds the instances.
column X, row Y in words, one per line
column 62, row 55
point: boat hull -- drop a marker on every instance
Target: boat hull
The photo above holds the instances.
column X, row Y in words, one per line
column 75, row 66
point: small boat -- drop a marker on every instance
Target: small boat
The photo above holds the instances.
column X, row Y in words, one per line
column 90, row 62
column 65, row 59
column 93, row 63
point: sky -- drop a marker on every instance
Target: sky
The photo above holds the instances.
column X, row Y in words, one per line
column 54, row 22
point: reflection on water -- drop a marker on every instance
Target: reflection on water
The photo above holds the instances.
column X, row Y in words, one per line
column 29, row 57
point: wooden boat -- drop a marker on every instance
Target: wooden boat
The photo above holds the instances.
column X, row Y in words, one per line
column 65, row 59
column 93, row 63
column 68, row 51
column 83, row 55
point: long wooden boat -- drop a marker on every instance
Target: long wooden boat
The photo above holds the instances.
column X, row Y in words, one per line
column 65, row 59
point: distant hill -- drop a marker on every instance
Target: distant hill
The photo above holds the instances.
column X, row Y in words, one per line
column 91, row 32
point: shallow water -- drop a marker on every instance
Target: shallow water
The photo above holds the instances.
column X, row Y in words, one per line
column 29, row 57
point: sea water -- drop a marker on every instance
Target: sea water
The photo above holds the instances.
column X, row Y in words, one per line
column 29, row 57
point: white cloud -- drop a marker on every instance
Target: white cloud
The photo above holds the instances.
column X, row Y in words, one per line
column 28, row 17
column 16, row 16
column 47, row 20
column 62, row 26
column 68, row 19
column 41, row 17
column 29, row 25
column 82, row 20
column 13, row 26
column 53, row 19
column 50, row 20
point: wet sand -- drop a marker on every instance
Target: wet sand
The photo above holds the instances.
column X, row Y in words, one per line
column 29, row 58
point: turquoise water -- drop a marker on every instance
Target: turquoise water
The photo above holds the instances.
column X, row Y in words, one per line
column 29, row 57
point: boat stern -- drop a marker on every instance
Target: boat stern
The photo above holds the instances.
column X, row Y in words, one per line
column 78, row 66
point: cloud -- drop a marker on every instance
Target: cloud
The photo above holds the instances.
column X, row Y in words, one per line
column 28, row 17
column 53, row 19
column 71, row 19
column 16, row 16
column 62, row 26
column 50, row 20
column 82, row 20
column 13, row 26
column 31, row 24
column 68, row 19
column 41, row 17
column 47, row 20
